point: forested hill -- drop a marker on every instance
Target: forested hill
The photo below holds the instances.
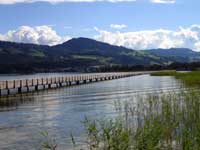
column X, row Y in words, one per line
column 176, row 54
column 82, row 53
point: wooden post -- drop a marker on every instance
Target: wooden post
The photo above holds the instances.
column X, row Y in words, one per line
column 77, row 82
column 90, row 79
column 43, row 83
column 66, row 80
column 8, row 91
column 32, row 82
column 14, row 84
column 84, row 81
column 6, row 84
column 81, row 78
column 59, row 81
column 20, row 87
column 36, row 88
column 72, row 78
column 27, row 85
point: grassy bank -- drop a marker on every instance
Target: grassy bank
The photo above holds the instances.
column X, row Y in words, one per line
column 189, row 78
column 164, row 73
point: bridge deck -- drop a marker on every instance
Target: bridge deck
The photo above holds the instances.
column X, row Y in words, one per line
column 61, row 81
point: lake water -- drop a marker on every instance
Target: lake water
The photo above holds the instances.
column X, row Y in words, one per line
column 60, row 111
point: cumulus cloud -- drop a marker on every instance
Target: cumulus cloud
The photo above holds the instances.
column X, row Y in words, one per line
column 118, row 26
column 164, row 1
column 44, row 35
column 182, row 37
column 58, row 1
column 187, row 37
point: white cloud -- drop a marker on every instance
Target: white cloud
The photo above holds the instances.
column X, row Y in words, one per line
column 188, row 37
column 148, row 39
column 164, row 1
column 44, row 35
column 118, row 26
column 58, row 1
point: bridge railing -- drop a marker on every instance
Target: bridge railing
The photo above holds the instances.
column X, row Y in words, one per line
column 11, row 84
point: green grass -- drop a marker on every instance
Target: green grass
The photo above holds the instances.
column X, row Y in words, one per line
column 164, row 73
column 168, row 122
column 99, row 59
column 38, row 54
column 85, row 57
column 189, row 78
column 105, row 60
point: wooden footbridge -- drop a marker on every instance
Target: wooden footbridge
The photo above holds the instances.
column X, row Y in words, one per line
column 29, row 85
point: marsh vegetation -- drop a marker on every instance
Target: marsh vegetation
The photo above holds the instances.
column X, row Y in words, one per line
column 191, row 79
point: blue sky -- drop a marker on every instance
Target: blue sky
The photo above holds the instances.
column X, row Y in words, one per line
column 106, row 21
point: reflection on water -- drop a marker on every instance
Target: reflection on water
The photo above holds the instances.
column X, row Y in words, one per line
column 60, row 111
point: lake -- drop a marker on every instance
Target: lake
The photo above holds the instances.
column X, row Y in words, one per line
column 60, row 111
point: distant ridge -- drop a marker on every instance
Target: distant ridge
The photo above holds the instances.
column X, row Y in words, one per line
column 79, row 53
column 176, row 54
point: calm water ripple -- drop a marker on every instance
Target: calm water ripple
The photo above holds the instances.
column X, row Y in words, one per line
column 60, row 111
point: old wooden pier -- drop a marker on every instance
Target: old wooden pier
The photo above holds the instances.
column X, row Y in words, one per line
column 29, row 85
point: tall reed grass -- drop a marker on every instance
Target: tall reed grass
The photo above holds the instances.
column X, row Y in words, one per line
column 167, row 122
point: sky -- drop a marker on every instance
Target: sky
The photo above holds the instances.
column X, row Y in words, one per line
column 136, row 24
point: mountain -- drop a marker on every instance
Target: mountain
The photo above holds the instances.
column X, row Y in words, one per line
column 99, row 53
column 82, row 53
column 19, row 53
column 176, row 54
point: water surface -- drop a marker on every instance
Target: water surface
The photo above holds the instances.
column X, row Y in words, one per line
column 60, row 111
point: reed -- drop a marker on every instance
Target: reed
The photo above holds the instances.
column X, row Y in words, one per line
column 167, row 122
column 155, row 122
